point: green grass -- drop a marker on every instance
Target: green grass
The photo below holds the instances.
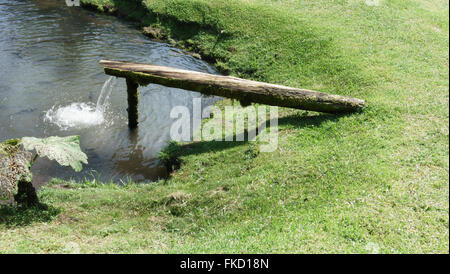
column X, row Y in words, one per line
column 372, row 181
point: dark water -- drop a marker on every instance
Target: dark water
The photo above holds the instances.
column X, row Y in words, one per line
column 49, row 57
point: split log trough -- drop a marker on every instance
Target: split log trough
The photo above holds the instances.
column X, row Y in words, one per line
column 246, row 91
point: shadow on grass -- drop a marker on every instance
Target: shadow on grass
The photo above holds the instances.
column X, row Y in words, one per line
column 301, row 120
column 170, row 156
column 295, row 120
column 21, row 216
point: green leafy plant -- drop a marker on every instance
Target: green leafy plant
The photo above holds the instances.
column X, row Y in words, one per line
column 16, row 159
column 169, row 156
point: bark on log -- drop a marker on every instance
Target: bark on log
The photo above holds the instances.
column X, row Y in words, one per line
column 232, row 87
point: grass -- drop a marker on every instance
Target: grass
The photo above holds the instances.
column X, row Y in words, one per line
column 375, row 181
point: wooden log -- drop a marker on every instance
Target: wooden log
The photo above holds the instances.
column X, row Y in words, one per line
column 133, row 100
column 232, row 87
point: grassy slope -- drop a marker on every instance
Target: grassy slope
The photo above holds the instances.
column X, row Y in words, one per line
column 335, row 184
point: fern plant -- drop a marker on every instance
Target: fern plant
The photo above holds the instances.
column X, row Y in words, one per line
column 17, row 157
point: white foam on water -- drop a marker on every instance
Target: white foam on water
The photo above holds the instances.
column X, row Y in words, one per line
column 81, row 115
column 75, row 115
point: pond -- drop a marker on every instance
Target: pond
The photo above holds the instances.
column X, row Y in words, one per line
column 51, row 84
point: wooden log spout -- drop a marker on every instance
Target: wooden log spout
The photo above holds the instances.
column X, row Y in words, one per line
column 232, row 87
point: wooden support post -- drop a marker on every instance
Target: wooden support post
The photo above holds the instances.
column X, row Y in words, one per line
column 133, row 100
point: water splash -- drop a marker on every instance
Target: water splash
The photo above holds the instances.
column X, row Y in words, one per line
column 81, row 115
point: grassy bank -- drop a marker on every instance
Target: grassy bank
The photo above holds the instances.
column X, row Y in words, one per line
column 375, row 181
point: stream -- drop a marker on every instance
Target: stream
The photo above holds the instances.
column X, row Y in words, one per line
column 51, row 84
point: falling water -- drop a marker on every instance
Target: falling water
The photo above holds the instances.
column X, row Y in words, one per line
column 103, row 99
column 80, row 115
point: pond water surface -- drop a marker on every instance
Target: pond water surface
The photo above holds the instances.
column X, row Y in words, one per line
column 50, row 84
